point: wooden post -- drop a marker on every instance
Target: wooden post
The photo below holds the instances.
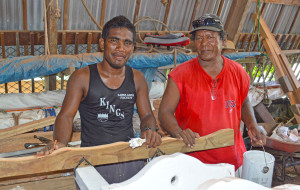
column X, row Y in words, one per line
column 32, row 42
column 3, row 45
column 76, row 43
column 89, row 42
column 52, row 27
column 64, row 43
column 102, row 17
column 137, row 11
column 24, row 6
column 167, row 14
column 194, row 14
column 66, row 15
column 220, row 8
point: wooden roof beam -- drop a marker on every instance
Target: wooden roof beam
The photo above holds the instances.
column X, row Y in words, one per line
column 235, row 21
column 66, row 15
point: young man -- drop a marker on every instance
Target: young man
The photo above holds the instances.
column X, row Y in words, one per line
column 105, row 94
column 209, row 93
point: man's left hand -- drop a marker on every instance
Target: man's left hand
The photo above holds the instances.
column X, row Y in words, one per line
column 257, row 135
column 153, row 139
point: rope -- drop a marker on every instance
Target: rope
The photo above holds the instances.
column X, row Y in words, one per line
column 57, row 10
column 90, row 14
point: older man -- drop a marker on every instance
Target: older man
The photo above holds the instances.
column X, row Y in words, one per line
column 209, row 93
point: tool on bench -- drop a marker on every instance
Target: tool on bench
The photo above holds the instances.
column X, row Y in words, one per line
column 33, row 145
column 44, row 141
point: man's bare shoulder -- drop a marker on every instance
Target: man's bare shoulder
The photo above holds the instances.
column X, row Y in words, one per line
column 138, row 76
column 137, row 73
column 139, row 79
column 80, row 76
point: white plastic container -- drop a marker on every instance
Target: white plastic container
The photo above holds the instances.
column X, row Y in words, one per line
column 254, row 164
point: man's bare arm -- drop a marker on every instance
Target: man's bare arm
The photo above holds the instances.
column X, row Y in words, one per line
column 63, row 123
column 257, row 135
column 166, row 116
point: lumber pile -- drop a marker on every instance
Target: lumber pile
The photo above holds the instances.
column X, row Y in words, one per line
column 287, row 79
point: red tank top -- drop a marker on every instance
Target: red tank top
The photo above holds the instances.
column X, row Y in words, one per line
column 198, row 111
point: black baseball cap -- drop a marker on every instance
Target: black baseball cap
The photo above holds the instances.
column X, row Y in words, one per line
column 207, row 22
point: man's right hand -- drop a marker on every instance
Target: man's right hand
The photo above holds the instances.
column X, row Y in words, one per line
column 49, row 148
column 188, row 137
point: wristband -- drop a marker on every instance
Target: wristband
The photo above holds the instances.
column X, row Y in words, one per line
column 149, row 128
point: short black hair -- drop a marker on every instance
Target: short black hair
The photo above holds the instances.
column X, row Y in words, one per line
column 222, row 34
column 118, row 22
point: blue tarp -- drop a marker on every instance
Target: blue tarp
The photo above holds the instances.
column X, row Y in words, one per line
column 29, row 67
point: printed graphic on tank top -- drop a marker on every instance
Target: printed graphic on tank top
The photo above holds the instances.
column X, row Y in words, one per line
column 106, row 114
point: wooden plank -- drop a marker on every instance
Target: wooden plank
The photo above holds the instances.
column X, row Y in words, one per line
column 6, row 88
column 286, row 68
column 274, row 59
column 62, row 79
column 20, row 86
column 245, row 39
column 102, row 17
column 3, row 45
column 64, row 45
column 298, row 43
column 264, row 114
column 18, row 44
column 32, row 43
column 166, row 14
column 235, row 21
column 24, row 12
column 220, row 8
column 76, row 43
column 286, row 2
column 25, row 27
column 137, row 10
column 68, row 158
column 26, row 127
column 197, row 3
column 263, row 9
column 16, row 143
column 293, row 41
column 282, row 41
column 238, row 44
column 66, row 15
column 287, row 41
column 44, row 182
column 89, row 42
column 32, row 86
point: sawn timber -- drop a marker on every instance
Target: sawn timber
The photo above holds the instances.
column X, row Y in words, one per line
column 68, row 157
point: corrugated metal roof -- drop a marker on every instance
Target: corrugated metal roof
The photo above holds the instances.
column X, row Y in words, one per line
column 11, row 17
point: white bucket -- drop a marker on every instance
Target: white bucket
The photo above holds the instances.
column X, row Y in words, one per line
column 253, row 167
